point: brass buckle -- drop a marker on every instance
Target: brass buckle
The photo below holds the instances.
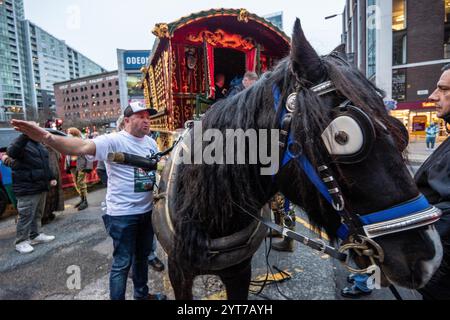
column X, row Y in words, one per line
column 363, row 246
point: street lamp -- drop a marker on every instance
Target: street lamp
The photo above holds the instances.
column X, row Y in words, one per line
column 333, row 16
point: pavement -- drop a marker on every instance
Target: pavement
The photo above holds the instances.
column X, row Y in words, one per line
column 82, row 248
column 417, row 152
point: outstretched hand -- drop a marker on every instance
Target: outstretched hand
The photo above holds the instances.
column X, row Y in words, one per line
column 7, row 161
column 30, row 129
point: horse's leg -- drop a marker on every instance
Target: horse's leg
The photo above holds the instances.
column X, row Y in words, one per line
column 181, row 280
column 237, row 280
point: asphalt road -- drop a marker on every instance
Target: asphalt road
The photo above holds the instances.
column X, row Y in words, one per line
column 82, row 244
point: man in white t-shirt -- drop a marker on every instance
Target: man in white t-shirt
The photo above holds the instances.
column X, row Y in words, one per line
column 129, row 197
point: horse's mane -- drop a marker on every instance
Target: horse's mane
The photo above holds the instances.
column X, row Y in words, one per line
column 209, row 197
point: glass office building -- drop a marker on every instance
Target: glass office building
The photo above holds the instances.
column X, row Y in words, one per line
column 31, row 61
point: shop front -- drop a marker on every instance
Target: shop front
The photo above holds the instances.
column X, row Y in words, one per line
column 416, row 116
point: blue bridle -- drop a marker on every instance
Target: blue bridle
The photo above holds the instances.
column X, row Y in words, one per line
column 408, row 215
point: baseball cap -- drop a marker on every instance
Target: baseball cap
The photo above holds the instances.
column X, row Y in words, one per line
column 136, row 107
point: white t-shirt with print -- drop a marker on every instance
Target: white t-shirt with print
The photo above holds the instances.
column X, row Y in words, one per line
column 130, row 190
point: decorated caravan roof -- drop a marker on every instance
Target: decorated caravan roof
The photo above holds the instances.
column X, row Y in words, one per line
column 237, row 21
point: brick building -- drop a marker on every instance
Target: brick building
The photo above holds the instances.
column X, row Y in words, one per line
column 89, row 101
column 401, row 45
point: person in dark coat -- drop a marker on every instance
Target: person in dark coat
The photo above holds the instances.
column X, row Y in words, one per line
column 433, row 180
column 55, row 197
column 32, row 178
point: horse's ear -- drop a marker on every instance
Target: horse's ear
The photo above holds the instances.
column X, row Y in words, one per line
column 340, row 50
column 305, row 60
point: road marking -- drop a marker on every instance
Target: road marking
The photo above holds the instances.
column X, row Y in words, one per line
column 166, row 283
column 222, row 295
column 310, row 227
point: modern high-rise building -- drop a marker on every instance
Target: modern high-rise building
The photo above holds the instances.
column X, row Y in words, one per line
column 11, row 59
column 401, row 45
column 276, row 19
column 31, row 61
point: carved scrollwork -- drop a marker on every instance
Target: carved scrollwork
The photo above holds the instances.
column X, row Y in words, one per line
column 243, row 16
column 161, row 30
column 224, row 39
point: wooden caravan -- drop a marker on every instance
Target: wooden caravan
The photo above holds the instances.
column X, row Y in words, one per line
column 179, row 81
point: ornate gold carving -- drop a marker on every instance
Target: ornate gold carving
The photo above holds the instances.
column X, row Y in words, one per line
column 161, row 30
column 153, row 90
column 243, row 16
column 221, row 38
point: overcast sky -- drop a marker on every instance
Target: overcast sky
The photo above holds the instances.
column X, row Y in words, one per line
column 97, row 28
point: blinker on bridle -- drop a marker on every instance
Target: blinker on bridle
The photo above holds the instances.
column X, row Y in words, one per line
column 358, row 230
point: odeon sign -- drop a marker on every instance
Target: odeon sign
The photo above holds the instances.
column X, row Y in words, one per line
column 135, row 60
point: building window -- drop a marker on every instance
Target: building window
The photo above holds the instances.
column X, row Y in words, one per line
column 371, row 39
column 447, row 11
column 399, row 85
column 398, row 15
column 447, row 30
column 399, row 47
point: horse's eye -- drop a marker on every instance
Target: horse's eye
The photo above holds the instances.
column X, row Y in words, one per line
column 343, row 137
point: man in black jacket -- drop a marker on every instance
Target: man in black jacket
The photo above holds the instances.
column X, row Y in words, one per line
column 32, row 178
column 433, row 180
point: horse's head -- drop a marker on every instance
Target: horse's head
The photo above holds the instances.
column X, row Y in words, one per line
column 340, row 124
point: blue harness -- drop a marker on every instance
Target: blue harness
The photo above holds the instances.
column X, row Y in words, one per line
column 402, row 210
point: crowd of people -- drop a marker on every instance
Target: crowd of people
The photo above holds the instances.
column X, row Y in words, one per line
column 129, row 200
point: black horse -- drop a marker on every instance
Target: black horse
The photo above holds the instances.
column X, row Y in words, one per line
column 202, row 221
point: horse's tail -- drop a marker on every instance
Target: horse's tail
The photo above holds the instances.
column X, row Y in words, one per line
column 191, row 244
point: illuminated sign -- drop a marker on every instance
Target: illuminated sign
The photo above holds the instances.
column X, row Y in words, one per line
column 428, row 105
column 135, row 60
column 134, row 82
column 419, row 123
